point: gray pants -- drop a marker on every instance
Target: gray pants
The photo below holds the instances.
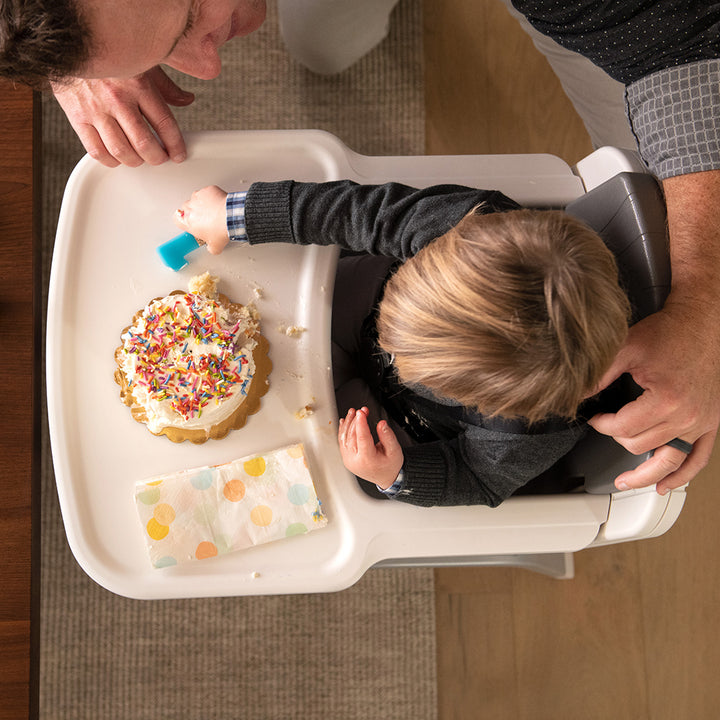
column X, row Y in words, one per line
column 327, row 36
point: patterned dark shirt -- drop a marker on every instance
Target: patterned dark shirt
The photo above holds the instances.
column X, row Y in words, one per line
column 667, row 53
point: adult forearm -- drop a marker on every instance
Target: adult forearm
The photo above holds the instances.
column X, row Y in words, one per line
column 675, row 354
column 692, row 204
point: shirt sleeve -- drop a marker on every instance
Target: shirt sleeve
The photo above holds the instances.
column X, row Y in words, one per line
column 395, row 488
column 394, row 220
column 481, row 466
column 235, row 213
column 675, row 116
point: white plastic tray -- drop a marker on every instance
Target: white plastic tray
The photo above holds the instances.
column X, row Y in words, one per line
column 105, row 268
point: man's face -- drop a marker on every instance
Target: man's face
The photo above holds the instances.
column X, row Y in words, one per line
column 131, row 36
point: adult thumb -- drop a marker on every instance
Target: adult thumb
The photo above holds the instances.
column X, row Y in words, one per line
column 171, row 92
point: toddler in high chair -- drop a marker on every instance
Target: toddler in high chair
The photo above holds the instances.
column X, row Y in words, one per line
column 467, row 332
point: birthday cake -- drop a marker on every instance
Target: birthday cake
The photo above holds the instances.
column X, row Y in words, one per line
column 193, row 365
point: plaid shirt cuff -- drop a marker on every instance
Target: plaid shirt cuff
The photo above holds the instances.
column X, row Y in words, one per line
column 395, row 488
column 675, row 116
column 235, row 212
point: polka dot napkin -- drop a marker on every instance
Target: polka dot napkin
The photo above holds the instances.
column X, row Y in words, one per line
column 209, row 511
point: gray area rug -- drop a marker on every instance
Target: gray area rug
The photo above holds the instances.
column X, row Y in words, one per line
column 367, row 652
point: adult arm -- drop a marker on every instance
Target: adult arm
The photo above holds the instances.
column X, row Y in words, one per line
column 667, row 54
column 126, row 121
column 675, row 354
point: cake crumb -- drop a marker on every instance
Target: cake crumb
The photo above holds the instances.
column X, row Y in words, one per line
column 304, row 412
column 291, row 330
column 252, row 311
column 205, row 284
column 259, row 294
column 254, row 575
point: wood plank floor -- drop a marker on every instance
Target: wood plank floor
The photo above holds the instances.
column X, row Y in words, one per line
column 636, row 634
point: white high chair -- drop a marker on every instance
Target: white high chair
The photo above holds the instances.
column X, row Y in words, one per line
column 105, row 268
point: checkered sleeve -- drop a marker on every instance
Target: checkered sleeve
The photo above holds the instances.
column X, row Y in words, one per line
column 235, row 212
column 675, row 116
column 395, row 488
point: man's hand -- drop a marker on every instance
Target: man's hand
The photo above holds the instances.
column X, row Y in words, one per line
column 378, row 463
column 126, row 121
column 681, row 378
column 675, row 354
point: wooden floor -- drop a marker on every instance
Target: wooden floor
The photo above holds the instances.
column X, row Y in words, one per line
column 636, row 634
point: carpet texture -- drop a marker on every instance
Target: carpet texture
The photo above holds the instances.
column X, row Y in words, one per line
column 367, row 652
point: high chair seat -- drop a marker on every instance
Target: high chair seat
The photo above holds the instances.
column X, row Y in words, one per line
column 105, row 268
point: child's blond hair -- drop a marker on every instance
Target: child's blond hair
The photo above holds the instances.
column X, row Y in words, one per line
column 516, row 314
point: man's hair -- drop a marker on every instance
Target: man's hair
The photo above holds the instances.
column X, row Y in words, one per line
column 41, row 40
column 516, row 314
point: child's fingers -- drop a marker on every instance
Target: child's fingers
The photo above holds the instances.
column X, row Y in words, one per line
column 363, row 436
column 345, row 429
column 179, row 217
column 388, row 440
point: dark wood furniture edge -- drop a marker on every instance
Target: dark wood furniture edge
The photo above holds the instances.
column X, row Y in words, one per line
column 38, row 380
column 20, row 376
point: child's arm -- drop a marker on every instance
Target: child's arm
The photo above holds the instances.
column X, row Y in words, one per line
column 204, row 215
column 379, row 462
column 391, row 219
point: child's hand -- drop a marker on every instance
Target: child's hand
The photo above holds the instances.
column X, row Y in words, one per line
column 378, row 463
column 203, row 216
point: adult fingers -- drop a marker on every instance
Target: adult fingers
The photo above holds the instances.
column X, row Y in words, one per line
column 94, row 146
column 664, row 461
column 123, row 140
column 171, row 92
column 114, row 143
column 126, row 121
column 156, row 115
column 669, row 468
column 644, row 424
column 695, row 462
column 622, row 363
column 129, row 140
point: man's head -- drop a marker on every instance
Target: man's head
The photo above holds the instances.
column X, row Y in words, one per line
column 48, row 40
column 516, row 314
column 41, row 40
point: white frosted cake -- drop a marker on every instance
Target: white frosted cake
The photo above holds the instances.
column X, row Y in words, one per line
column 193, row 365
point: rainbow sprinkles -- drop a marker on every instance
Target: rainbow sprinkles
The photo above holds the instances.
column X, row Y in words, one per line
column 189, row 361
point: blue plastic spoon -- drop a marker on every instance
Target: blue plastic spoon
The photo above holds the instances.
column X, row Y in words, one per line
column 173, row 251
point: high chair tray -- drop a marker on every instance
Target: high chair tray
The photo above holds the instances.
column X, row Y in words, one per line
column 105, row 268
